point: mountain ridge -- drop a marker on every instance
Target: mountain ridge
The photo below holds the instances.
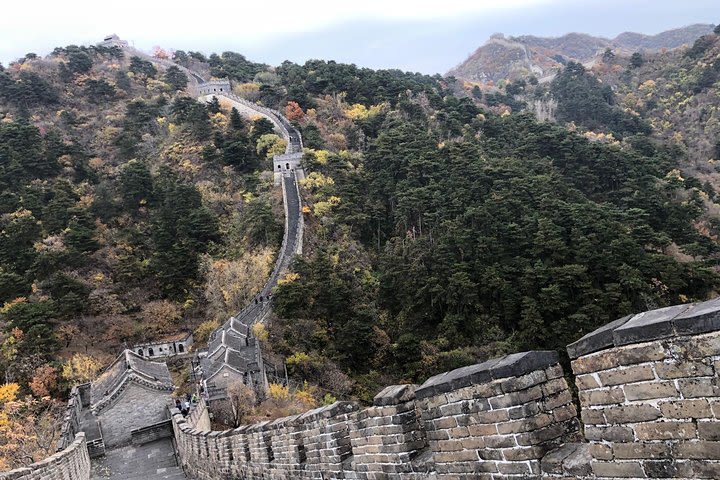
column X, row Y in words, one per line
column 512, row 57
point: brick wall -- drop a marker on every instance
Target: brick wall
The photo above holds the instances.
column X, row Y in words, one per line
column 648, row 392
column 73, row 463
column 136, row 407
column 200, row 417
column 141, row 436
column 497, row 418
column 650, row 396
column 71, row 420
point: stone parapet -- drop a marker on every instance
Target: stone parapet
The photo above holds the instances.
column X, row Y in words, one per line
column 647, row 386
column 493, row 420
column 72, row 463
column 652, row 409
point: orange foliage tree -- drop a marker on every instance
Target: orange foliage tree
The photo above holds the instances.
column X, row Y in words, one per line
column 44, row 381
column 28, row 428
column 159, row 52
column 293, row 112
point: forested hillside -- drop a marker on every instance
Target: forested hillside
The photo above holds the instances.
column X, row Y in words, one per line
column 443, row 226
column 442, row 232
column 128, row 211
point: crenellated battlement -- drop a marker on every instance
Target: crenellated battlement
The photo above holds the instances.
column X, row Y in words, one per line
column 649, row 408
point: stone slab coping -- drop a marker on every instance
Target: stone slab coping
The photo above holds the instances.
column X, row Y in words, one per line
column 685, row 319
column 394, row 395
column 512, row 365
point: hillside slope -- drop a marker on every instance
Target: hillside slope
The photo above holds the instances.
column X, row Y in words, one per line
column 128, row 211
column 511, row 58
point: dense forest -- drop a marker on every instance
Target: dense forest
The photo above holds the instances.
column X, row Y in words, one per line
column 444, row 224
column 128, row 212
column 446, row 233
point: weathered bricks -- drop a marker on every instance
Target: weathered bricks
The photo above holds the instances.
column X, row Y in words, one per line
column 72, row 463
column 649, row 407
column 523, row 417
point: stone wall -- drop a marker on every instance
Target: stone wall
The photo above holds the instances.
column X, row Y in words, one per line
column 215, row 87
column 72, row 463
column 501, row 416
column 496, row 419
column 649, row 396
column 199, row 416
column 137, row 407
column 157, row 431
column 71, row 421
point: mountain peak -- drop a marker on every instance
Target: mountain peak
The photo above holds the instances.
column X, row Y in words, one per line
column 504, row 57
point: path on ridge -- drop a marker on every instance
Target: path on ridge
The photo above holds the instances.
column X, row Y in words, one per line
column 253, row 312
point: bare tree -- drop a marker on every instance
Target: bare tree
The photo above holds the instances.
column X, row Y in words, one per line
column 240, row 403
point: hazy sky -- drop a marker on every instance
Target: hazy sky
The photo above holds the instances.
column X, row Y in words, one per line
column 419, row 35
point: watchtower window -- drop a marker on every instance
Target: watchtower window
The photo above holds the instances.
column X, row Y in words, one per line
column 287, row 166
column 279, row 167
column 150, row 352
column 181, row 348
column 140, row 352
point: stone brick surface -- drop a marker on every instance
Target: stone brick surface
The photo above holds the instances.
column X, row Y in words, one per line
column 137, row 407
column 72, row 463
column 496, row 426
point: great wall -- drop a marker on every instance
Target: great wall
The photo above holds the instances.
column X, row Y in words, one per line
column 641, row 399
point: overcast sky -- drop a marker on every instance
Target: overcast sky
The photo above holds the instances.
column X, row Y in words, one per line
column 418, row 35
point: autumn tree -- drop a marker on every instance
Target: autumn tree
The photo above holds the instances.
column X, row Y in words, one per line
column 29, row 428
column 44, row 381
column 80, row 368
column 294, row 112
column 240, row 403
column 270, row 144
column 230, row 284
column 159, row 52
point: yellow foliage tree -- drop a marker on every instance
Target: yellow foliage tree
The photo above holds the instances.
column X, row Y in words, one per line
column 279, row 392
column 161, row 316
column 269, row 145
column 323, row 208
column 230, row 284
column 260, row 332
column 203, row 331
column 80, row 368
column 8, row 392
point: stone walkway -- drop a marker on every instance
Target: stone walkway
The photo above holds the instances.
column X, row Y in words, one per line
column 153, row 461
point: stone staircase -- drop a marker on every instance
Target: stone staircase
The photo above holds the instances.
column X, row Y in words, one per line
column 153, row 461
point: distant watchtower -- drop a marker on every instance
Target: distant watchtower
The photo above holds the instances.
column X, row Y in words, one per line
column 215, row 86
column 114, row 41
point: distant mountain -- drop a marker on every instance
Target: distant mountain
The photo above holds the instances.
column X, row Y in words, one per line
column 513, row 57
